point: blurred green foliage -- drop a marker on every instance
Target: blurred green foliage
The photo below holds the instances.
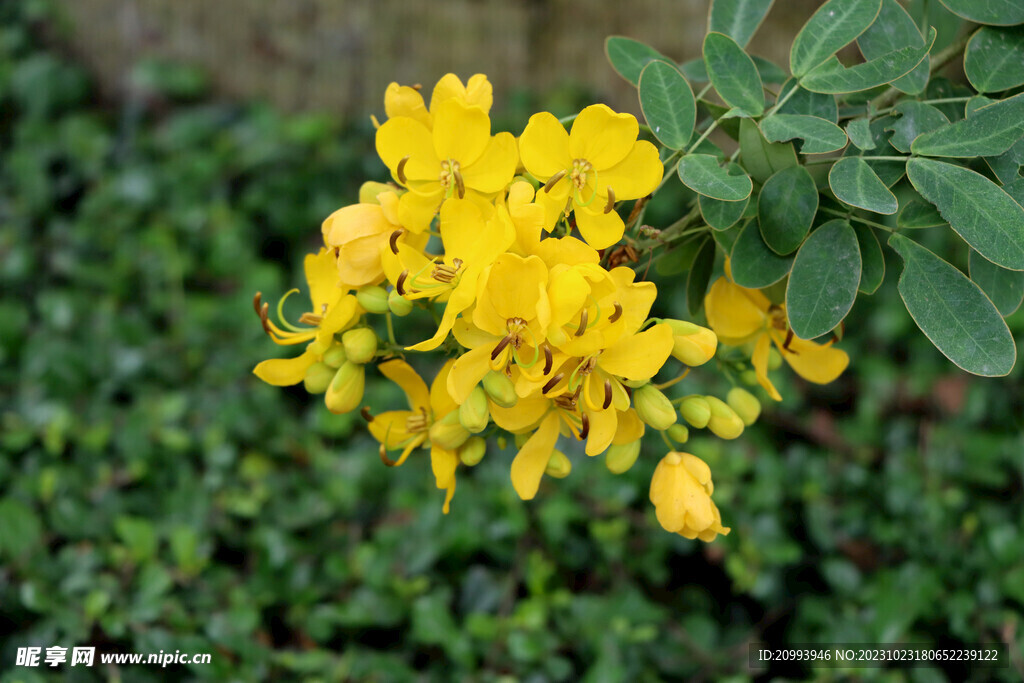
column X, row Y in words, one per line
column 154, row 495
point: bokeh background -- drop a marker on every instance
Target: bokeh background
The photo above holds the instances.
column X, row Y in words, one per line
column 162, row 161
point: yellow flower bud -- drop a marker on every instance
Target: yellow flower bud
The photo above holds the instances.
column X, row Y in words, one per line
column 360, row 344
column 696, row 411
column 474, row 413
column 745, row 404
column 335, row 356
column 654, row 408
column 369, row 190
column 398, row 304
column 346, row 390
column 724, row 422
column 472, row 452
column 318, row 378
column 620, row 457
column 500, row 388
column 681, row 491
column 692, row 344
column 373, row 298
column 559, row 465
column 448, row 432
column 679, row 433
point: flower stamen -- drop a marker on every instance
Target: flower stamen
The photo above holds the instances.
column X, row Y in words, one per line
column 400, row 169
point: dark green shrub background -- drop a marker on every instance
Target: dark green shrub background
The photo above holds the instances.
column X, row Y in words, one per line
column 155, row 495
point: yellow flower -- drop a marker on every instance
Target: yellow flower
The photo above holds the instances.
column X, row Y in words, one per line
column 409, row 429
column 360, row 233
column 402, row 100
column 681, row 490
column 739, row 315
column 590, row 168
column 332, row 310
column 457, row 158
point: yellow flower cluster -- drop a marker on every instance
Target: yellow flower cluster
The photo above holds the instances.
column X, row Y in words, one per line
column 547, row 334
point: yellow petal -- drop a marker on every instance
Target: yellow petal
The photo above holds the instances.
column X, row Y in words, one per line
column 532, row 459
column 401, row 100
column 477, row 91
column 322, row 276
column 514, row 288
column 759, row 360
column 440, row 402
column 402, row 374
column 630, row 428
column 522, row 416
column 400, row 137
column 353, row 222
column 284, row 372
column 637, row 175
column 359, row 261
column 733, row 312
column 461, row 299
column 639, row 356
column 444, row 462
column 461, row 132
column 416, row 208
column 553, row 202
column 469, row 369
column 818, row 363
column 544, row 146
column 602, row 137
column 603, row 424
column 600, row 230
column 678, row 498
column 494, row 167
column 388, row 428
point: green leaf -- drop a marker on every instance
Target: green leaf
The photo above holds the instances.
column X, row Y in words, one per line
column 915, row 118
column 918, row 214
column 21, row 531
column 808, row 103
column 702, row 174
column 873, row 269
column 824, row 279
column 989, row 132
column 677, row 258
column 995, row 12
column 668, row 104
column 819, row 136
column 833, row 77
column 629, row 57
column 695, row 71
column 835, row 24
column 894, row 29
column 726, row 239
column 859, row 132
column 979, row 210
column 953, row 312
column 738, row 19
column 760, row 157
column 994, row 59
column 1004, row 287
column 753, row 264
column 854, row 183
column 786, row 208
column 700, row 275
column 721, row 215
column 769, row 71
column 733, row 74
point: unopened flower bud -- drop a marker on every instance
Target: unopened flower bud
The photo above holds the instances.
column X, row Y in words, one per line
column 360, row 344
column 774, row 359
column 500, row 388
column 679, row 433
column 335, row 356
column 620, row 457
column 369, row 190
column 398, row 304
column 346, row 390
column 520, row 439
column 448, row 432
column 696, row 411
column 502, row 442
column 559, row 465
column 745, row 404
column 635, row 383
column 724, row 422
column 654, row 408
column 318, row 378
column 472, row 452
column 749, row 377
column 373, row 298
column 474, row 413
column 692, row 344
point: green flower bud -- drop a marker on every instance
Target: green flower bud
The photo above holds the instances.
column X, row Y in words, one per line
column 620, row 457
column 502, row 442
column 472, row 452
column 500, row 388
column 774, row 359
column 635, row 383
column 335, row 356
column 745, row 404
column 724, row 422
column 679, row 433
column 360, row 344
column 369, row 190
column 474, row 413
column 398, row 304
column 346, row 390
column 520, row 439
column 696, row 411
column 749, row 377
column 373, row 298
column 448, row 432
column 559, row 465
column 318, row 378
column 692, row 344
column 654, row 408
